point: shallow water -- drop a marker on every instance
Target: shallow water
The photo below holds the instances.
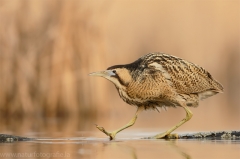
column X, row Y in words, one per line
column 72, row 138
column 88, row 145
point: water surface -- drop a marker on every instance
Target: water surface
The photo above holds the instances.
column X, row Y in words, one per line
column 128, row 145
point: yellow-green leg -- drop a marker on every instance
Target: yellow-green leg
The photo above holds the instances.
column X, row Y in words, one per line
column 189, row 115
column 130, row 123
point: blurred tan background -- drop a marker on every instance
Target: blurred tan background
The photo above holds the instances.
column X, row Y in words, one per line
column 48, row 48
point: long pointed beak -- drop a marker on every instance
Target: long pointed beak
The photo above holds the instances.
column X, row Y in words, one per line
column 105, row 73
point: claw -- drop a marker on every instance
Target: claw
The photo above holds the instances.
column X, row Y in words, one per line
column 163, row 136
column 102, row 129
column 111, row 134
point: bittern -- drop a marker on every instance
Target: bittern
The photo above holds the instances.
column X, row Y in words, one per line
column 160, row 80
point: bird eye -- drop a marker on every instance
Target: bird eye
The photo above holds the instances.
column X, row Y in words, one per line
column 114, row 71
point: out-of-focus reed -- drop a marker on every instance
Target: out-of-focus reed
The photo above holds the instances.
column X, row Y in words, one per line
column 47, row 49
column 46, row 52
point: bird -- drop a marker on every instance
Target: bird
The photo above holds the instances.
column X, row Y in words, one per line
column 159, row 80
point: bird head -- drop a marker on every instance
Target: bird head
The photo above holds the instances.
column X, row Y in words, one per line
column 119, row 75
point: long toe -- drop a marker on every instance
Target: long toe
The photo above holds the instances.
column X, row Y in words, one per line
column 160, row 136
column 172, row 136
column 100, row 128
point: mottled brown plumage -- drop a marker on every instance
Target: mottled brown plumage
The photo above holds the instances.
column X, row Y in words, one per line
column 161, row 80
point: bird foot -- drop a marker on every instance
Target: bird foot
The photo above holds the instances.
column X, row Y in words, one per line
column 163, row 136
column 110, row 134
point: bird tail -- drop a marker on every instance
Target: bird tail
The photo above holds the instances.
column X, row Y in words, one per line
column 218, row 86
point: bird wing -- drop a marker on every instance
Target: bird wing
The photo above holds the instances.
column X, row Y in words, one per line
column 184, row 76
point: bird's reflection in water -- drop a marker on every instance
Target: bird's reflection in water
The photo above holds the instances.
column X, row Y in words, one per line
column 121, row 148
column 179, row 150
column 135, row 150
